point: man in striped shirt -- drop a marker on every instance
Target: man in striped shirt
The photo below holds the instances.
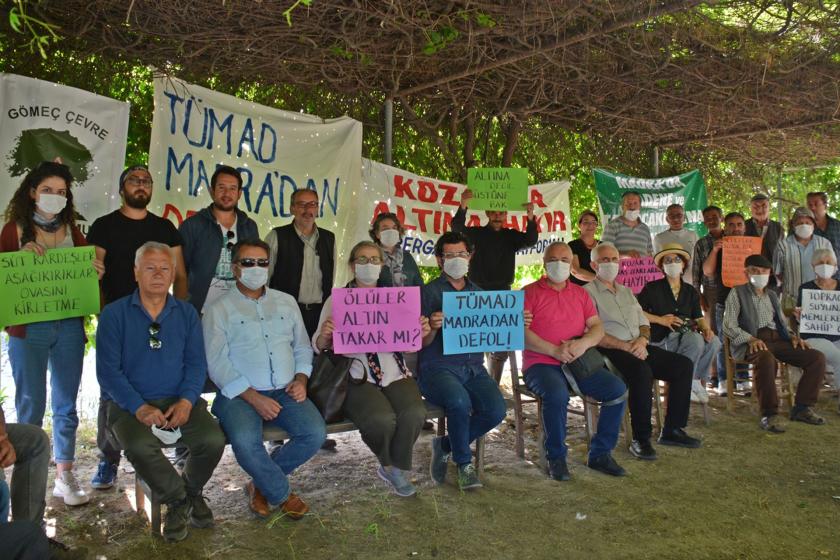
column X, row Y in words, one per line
column 627, row 232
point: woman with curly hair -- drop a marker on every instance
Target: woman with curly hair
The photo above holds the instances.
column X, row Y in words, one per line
column 40, row 217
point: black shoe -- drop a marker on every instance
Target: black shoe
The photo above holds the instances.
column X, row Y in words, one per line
column 200, row 514
column 176, row 520
column 607, row 465
column 643, row 450
column 329, row 445
column 679, row 438
column 179, row 461
column 558, row 470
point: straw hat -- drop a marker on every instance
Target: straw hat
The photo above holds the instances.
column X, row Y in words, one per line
column 671, row 249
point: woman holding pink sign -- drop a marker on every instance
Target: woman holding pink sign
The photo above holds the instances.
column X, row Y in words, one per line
column 388, row 409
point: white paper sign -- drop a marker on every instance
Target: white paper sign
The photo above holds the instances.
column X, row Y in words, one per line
column 820, row 312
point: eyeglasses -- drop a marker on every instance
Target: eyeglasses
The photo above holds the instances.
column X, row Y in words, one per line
column 589, row 223
column 307, row 205
column 230, row 235
column 671, row 260
column 368, row 260
column 249, row 263
column 154, row 339
column 459, row 254
column 136, row 182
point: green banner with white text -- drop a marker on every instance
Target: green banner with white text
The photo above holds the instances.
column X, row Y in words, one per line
column 687, row 189
column 59, row 284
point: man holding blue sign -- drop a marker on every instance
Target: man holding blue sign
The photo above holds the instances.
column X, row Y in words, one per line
column 459, row 383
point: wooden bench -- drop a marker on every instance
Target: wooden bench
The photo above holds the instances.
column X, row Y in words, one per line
column 147, row 502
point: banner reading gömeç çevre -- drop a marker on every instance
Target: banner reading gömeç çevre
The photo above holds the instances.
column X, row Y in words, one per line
column 687, row 189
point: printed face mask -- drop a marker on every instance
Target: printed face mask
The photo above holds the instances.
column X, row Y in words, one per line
column 389, row 237
column 254, row 278
column 51, row 203
column 759, row 280
column 367, row 273
column 607, row 271
column 456, row 268
column 558, row 271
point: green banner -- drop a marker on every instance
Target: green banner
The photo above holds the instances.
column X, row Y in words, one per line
column 498, row 188
column 687, row 189
column 61, row 283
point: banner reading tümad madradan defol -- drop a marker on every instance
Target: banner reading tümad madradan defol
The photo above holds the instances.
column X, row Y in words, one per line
column 687, row 189
column 42, row 121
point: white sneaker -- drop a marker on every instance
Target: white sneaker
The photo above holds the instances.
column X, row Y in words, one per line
column 698, row 392
column 744, row 387
column 67, row 487
column 721, row 389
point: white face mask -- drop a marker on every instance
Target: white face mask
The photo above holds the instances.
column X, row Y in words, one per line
column 759, row 280
column 607, row 271
column 367, row 273
column 254, row 278
column 389, row 237
column 673, row 270
column 558, row 271
column 825, row 271
column 456, row 268
column 51, row 203
column 632, row 215
column 168, row 437
column 804, row 231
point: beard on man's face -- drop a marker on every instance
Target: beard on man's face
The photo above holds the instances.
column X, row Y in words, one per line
column 139, row 200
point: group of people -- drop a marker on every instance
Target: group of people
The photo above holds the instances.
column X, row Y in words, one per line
column 213, row 307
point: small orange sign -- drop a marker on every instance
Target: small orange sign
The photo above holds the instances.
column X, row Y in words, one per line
column 735, row 250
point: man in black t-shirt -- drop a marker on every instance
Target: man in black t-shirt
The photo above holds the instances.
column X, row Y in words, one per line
column 116, row 237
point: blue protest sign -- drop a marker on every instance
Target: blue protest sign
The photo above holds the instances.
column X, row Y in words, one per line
column 483, row 321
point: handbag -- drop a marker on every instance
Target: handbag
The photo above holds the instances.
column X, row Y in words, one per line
column 586, row 364
column 327, row 387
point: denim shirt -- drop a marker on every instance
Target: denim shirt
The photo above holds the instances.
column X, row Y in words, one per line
column 255, row 343
column 130, row 371
column 432, row 357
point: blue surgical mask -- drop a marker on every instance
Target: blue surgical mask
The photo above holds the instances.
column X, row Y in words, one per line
column 254, row 277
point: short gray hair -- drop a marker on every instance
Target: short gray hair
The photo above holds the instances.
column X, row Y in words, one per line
column 150, row 247
column 820, row 253
column 593, row 254
column 554, row 244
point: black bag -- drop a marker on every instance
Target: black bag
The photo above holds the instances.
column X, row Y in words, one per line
column 327, row 387
column 587, row 363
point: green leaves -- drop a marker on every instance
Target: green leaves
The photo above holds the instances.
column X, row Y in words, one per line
column 439, row 39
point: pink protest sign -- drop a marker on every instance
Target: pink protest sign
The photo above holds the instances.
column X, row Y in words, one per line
column 635, row 273
column 376, row 320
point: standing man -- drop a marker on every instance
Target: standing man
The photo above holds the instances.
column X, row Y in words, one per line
column 827, row 226
column 628, row 232
column 493, row 264
column 260, row 358
column 210, row 234
column 565, row 325
column 302, row 262
column 758, row 328
column 734, row 225
column 458, row 383
column 760, row 225
column 627, row 345
column 676, row 233
column 151, row 366
column 707, row 285
column 117, row 236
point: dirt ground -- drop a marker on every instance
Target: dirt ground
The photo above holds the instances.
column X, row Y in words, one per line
column 745, row 494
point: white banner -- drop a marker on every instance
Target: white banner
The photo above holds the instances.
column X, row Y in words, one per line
column 195, row 129
column 426, row 206
column 41, row 121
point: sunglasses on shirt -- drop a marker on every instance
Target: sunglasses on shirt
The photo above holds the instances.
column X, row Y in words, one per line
column 155, row 342
column 230, row 236
column 248, row 263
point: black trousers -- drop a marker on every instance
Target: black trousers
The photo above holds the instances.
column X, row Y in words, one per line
column 311, row 313
column 675, row 369
column 23, row 540
column 109, row 448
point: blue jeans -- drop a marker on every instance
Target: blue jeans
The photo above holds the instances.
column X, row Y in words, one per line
column 548, row 382
column 693, row 346
column 473, row 405
column 243, row 427
column 59, row 345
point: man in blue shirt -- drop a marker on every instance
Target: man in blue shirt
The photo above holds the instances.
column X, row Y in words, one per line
column 151, row 366
column 459, row 383
column 260, row 358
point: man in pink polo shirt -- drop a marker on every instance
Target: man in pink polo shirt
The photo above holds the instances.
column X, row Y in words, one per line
column 565, row 325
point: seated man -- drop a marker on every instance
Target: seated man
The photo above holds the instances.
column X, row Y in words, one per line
column 563, row 327
column 150, row 364
column 260, row 358
column 758, row 332
column 458, row 383
column 626, row 344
